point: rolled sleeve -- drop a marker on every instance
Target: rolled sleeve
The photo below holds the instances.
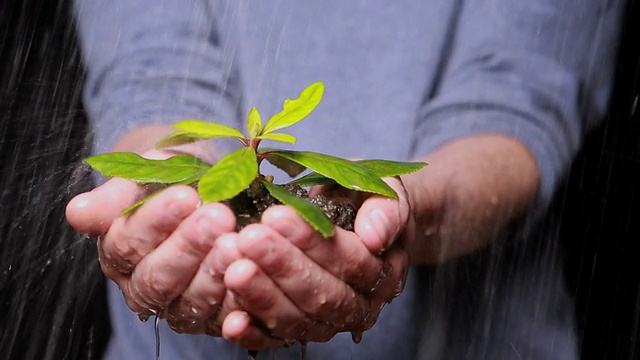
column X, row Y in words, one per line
column 154, row 62
column 540, row 72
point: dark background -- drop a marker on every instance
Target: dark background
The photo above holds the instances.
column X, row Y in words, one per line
column 52, row 300
column 52, row 297
column 601, row 222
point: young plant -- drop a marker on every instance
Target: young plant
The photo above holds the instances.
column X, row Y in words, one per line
column 239, row 169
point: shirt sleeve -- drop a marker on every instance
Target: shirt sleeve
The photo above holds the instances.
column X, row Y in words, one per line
column 154, row 61
column 540, row 71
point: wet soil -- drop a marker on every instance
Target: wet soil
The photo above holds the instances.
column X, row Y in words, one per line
column 252, row 202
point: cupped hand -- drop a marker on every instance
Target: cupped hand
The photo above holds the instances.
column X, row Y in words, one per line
column 168, row 257
column 295, row 285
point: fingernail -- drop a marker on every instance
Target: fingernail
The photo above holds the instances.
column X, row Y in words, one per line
column 205, row 229
column 286, row 227
column 381, row 224
column 219, row 264
column 225, row 252
column 81, row 201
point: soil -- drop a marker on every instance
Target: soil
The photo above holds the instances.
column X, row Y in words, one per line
column 252, row 202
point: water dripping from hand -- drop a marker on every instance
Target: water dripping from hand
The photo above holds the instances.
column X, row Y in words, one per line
column 156, row 327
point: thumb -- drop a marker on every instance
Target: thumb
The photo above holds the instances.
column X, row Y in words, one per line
column 93, row 212
column 380, row 220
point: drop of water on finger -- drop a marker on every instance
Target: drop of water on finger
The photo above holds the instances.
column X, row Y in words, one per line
column 356, row 336
column 271, row 324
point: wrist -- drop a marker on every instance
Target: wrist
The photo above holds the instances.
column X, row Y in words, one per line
column 472, row 189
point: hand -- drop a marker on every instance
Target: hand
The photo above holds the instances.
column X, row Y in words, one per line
column 155, row 254
column 295, row 285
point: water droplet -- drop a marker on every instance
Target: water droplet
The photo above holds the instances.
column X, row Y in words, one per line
column 322, row 299
column 356, row 336
column 212, row 301
column 143, row 318
column 272, row 323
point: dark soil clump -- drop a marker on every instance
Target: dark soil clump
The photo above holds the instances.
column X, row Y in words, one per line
column 252, row 202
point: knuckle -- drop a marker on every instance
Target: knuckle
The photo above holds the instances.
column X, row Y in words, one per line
column 352, row 261
column 195, row 244
column 320, row 306
column 158, row 286
column 127, row 251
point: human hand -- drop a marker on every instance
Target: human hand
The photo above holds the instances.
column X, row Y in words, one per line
column 294, row 285
column 156, row 255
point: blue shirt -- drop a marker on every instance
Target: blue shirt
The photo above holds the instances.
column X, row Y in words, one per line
column 402, row 78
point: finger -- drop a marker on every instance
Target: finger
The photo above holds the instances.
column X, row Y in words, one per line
column 131, row 238
column 393, row 283
column 93, row 212
column 165, row 273
column 262, row 298
column 345, row 256
column 229, row 305
column 311, row 288
column 381, row 219
column 238, row 328
column 202, row 299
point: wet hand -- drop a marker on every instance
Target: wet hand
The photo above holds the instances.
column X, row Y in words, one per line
column 295, row 285
column 162, row 255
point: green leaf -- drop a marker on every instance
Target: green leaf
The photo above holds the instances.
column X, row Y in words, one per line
column 254, row 123
column 177, row 138
column 139, row 203
column 292, row 168
column 294, row 110
column 388, row 168
column 313, row 178
column 194, row 130
column 382, row 168
column 308, row 211
column 229, row 176
column 207, row 129
column 346, row 173
column 285, row 138
column 177, row 169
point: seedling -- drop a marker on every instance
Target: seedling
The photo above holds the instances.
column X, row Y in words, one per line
column 239, row 170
